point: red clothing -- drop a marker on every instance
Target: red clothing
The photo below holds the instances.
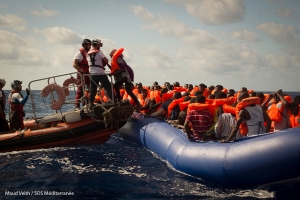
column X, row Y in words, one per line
column 201, row 121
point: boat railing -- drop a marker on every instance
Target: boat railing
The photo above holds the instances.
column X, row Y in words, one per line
column 54, row 80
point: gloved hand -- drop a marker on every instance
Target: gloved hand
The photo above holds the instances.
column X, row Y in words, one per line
column 27, row 91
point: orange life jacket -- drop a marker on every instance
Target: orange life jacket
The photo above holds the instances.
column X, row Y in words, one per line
column 143, row 103
column 221, row 102
column 179, row 89
column 210, row 101
column 114, row 64
column 205, row 92
column 202, row 106
column 229, row 109
column 196, row 88
column 183, row 105
column 275, row 111
column 295, row 120
column 245, row 102
column 167, row 96
column 172, row 105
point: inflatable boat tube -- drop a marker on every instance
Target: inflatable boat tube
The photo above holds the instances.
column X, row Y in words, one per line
column 249, row 161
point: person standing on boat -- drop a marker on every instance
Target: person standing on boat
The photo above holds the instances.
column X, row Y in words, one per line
column 97, row 61
column 17, row 102
column 3, row 122
column 254, row 115
column 80, row 63
column 123, row 73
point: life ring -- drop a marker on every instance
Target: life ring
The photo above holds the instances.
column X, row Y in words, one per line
column 61, row 96
column 66, row 84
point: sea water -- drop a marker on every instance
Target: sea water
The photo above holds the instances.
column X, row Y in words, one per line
column 116, row 169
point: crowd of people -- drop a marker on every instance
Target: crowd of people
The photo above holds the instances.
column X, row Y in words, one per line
column 204, row 113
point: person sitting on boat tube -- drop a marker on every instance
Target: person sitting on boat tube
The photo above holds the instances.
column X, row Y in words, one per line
column 254, row 115
column 3, row 122
column 17, row 102
column 81, row 65
column 199, row 118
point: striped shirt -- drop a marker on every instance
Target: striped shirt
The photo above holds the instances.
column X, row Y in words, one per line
column 224, row 126
column 201, row 121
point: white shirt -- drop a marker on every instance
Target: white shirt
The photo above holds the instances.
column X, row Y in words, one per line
column 98, row 61
column 13, row 96
column 78, row 56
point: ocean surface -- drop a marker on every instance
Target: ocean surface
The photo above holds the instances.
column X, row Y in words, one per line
column 116, row 169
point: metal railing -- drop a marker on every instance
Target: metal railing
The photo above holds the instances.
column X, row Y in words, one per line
column 52, row 80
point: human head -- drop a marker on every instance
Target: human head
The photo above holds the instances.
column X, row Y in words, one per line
column 155, row 83
column 177, row 95
column 144, row 93
column 190, row 87
column 243, row 89
column 187, row 98
column 219, row 88
column 112, row 52
column 294, row 108
column 86, row 44
column 170, row 87
column 200, row 99
column 220, row 95
column 231, row 93
column 163, row 91
column 176, row 84
column 2, row 83
column 242, row 96
column 211, row 88
column 96, row 43
column 202, row 87
column 253, row 94
column 167, row 84
column 211, row 96
column 186, row 86
column 16, row 85
column 261, row 96
column 297, row 99
column 185, row 94
column 196, row 93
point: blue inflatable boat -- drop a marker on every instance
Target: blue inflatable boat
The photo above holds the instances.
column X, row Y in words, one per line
column 249, row 161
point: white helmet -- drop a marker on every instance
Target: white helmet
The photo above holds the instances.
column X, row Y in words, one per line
column 2, row 81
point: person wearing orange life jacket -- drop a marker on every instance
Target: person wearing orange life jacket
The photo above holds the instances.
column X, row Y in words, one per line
column 183, row 109
column 97, row 62
column 144, row 101
column 163, row 110
column 17, row 102
column 294, row 114
column 211, row 89
column 80, row 63
column 254, row 116
column 200, row 119
column 277, row 111
column 119, row 65
column 3, row 122
column 203, row 89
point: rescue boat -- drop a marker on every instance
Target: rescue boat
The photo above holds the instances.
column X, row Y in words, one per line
column 246, row 162
column 75, row 127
